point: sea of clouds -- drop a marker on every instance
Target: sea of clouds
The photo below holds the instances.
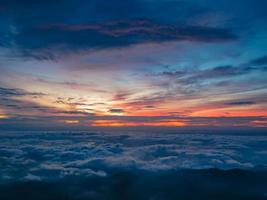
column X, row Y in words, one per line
column 51, row 155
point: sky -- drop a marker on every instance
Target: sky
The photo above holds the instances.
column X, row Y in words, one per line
column 139, row 63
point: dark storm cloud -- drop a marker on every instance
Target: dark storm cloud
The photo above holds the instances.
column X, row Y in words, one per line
column 75, row 25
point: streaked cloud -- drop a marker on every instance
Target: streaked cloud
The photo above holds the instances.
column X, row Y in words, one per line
column 241, row 103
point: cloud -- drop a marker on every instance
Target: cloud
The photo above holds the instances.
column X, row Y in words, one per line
column 258, row 61
column 139, row 31
column 191, row 76
column 71, row 85
column 192, row 80
column 121, row 96
column 31, row 177
column 84, row 154
column 12, row 100
column 220, row 71
column 240, row 103
column 61, row 38
column 137, row 184
column 17, row 92
column 78, row 25
column 116, row 110
column 15, row 102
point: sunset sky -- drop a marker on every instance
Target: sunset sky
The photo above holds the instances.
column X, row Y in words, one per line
column 177, row 63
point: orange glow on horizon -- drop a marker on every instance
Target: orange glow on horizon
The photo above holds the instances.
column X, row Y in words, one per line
column 3, row 116
column 71, row 121
column 119, row 123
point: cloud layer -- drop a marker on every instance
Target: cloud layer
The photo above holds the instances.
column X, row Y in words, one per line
column 29, row 156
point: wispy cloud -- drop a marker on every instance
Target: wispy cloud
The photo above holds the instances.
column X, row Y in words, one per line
column 240, row 103
column 9, row 92
column 258, row 61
